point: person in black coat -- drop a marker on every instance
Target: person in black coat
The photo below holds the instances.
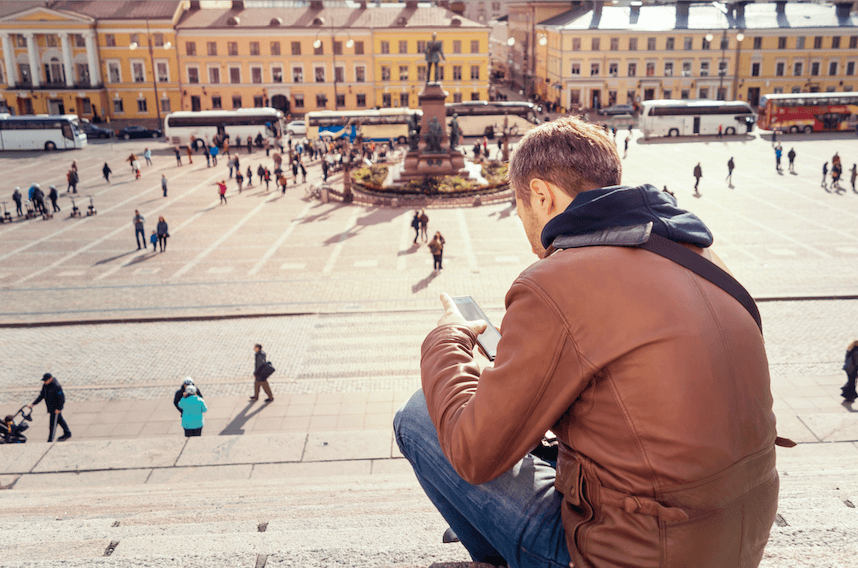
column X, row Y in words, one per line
column 851, row 368
column 259, row 361
column 55, row 400
column 53, row 196
column 181, row 392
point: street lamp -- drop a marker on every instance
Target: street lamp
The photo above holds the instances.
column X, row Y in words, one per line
column 350, row 43
column 167, row 45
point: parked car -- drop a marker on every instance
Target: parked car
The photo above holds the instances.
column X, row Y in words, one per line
column 623, row 121
column 93, row 131
column 296, row 127
column 617, row 109
column 138, row 132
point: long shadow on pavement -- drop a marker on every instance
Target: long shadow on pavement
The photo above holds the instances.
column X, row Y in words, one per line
column 235, row 428
column 111, row 259
column 425, row 282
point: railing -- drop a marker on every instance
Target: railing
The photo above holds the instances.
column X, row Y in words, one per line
column 19, row 86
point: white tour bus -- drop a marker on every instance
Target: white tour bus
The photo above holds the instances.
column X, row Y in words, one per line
column 693, row 117
column 40, row 132
column 180, row 126
column 482, row 118
column 380, row 124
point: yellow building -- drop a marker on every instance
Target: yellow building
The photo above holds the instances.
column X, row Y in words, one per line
column 92, row 59
column 315, row 58
column 597, row 56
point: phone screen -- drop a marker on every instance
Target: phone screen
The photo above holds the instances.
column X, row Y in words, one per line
column 488, row 339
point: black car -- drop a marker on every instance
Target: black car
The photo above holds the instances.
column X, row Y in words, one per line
column 617, row 109
column 93, row 131
column 138, row 132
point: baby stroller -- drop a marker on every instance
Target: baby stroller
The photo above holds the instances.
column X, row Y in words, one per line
column 11, row 433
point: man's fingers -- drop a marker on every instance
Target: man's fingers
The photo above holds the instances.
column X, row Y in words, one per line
column 449, row 304
column 478, row 326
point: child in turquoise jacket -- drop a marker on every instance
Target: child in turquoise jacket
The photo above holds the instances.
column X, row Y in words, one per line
column 192, row 412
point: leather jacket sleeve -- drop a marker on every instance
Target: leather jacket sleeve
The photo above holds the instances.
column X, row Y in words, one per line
column 487, row 422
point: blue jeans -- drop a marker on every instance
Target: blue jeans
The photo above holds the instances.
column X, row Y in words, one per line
column 514, row 517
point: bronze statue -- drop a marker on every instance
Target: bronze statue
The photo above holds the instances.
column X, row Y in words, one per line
column 434, row 54
column 413, row 140
column 434, row 137
column 455, row 132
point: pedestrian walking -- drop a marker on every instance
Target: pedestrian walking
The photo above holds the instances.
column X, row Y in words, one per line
column 16, row 197
column 106, row 171
column 39, row 199
column 192, row 406
column 720, row 131
column 231, row 165
column 213, row 151
column 325, row 170
column 424, row 225
column 262, row 369
column 283, row 181
column 180, row 393
column 249, row 177
column 208, row 156
column 791, row 158
column 190, row 152
column 163, row 233
column 267, row 145
column 131, row 159
column 221, row 187
column 730, row 167
column 164, row 184
column 239, row 179
column 436, row 247
column 295, row 171
column 836, row 171
column 53, row 196
column 854, row 176
column 774, row 137
column 415, row 224
column 178, row 152
column 851, row 367
column 55, row 401
column 260, row 173
column 226, row 146
column 147, row 155
column 626, row 144
column 249, row 144
column 825, row 175
column 266, row 175
column 139, row 233
column 73, row 178
column 698, row 173
column 477, row 149
column 153, row 238
column 485, row 146
column 778, row 152
column 303, row 172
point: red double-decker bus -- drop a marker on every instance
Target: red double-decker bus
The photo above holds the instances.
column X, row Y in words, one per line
column 808, row 112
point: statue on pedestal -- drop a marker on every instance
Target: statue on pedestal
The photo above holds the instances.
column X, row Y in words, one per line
column 455, row 132
column 434, row 54
column 413, row 140
column 434, row 137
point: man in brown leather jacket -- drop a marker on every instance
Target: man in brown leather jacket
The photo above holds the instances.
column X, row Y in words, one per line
column 654, row 380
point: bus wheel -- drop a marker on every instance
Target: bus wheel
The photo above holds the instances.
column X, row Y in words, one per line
column 808, row 129
column 673, row 132
column 793, row 129
column 730, row 131
column 50, row 146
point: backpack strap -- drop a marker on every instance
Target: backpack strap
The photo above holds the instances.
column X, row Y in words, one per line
column 641, row 236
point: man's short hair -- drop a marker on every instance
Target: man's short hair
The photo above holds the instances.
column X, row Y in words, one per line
column 258, row 345
column 573, row 155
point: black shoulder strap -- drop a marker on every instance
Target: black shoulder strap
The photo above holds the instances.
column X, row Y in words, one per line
column 704, row 268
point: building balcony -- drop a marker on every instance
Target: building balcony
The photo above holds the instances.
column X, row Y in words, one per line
column 80, row 86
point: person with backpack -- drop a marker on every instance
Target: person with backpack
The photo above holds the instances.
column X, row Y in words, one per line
column 192, row 407
column 55, row 401
column 262, row 369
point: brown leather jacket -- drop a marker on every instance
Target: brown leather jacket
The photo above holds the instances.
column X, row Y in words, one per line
column 656, row 383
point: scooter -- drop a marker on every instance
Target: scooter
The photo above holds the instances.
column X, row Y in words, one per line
column 31, row 210
column 91, row 209
column 75, row 212
column 7, row 217
column 47, row 214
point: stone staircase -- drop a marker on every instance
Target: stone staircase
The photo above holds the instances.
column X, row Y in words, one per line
column 122, row 503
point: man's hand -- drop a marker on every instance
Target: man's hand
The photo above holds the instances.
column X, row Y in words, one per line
column 30, row 406
column 57, row 411
column 453, row 315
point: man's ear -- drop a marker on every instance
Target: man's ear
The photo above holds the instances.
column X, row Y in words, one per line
column 542, row 196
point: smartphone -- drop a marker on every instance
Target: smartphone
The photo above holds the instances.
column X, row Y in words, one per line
column 488, row 339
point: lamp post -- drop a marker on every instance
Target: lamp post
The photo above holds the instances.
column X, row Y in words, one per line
column 317, row 43
column 167, row 45
column 722, row 69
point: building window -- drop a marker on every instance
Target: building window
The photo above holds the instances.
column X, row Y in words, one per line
column 256, row 74
column 835, row 42
column 594, row 68
column 668, row 45
column 725, row 44
column 780, row 68
column 159, row 40
column 853, row 42
column 319, row 74
column 193, row 75
column 574, row 97
column 475, row 73
column 668, row 94
column 254, row 48
column 594, row 44
column 214, row 75
column 52, row 40
column 779, row 90
column 576, row 44
column 134, row 38
column 275, row 48
column 360, row 74
column 403, row 72
column 299, row 101
column 475, row 96
column 296, row 48
column 457, row 72
column 79, row 41
column 216, row 103
column 704, row 68
column 758, row 43
column 782, row 42
column 704, row 92
column 421, row 72
column 650, row 68
column 297, row 74
column 689, row 43
column 232, row 48
column 338, row 48
column 321, row 100
column 163, row 71
column 211, row 47
column 832, row 68
column 576, row 68
column 705, row 44
column 475, row 46
column 457, row 97
column 236, row 101
column 403, row 100
column 632, row 69
column 686, row 69
column 235, row 75
column 109, row 41
column 850, row 68
column 114, row 73
column 196, row 104
column 359, row 51
column 190, row 48
column 817, row 42
column 385, row 100
column 138, row 72
column 276, row 74
column 385, row 46
column 797, row 68
column 814, row 68
column 118, row 106
column 457, row 46
column 650, row 44
column 82, row 75
column 615, row 44
column 755, row 69
column 341, row 100
column 799, row 42
column 722, row 67
column 613, row 69
column 668, row 68
column 403, row 46
column 339, row 74
column 165, row 105
column 258, row 101
column 385, row 72
column 684, row 94
column 361, row 100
